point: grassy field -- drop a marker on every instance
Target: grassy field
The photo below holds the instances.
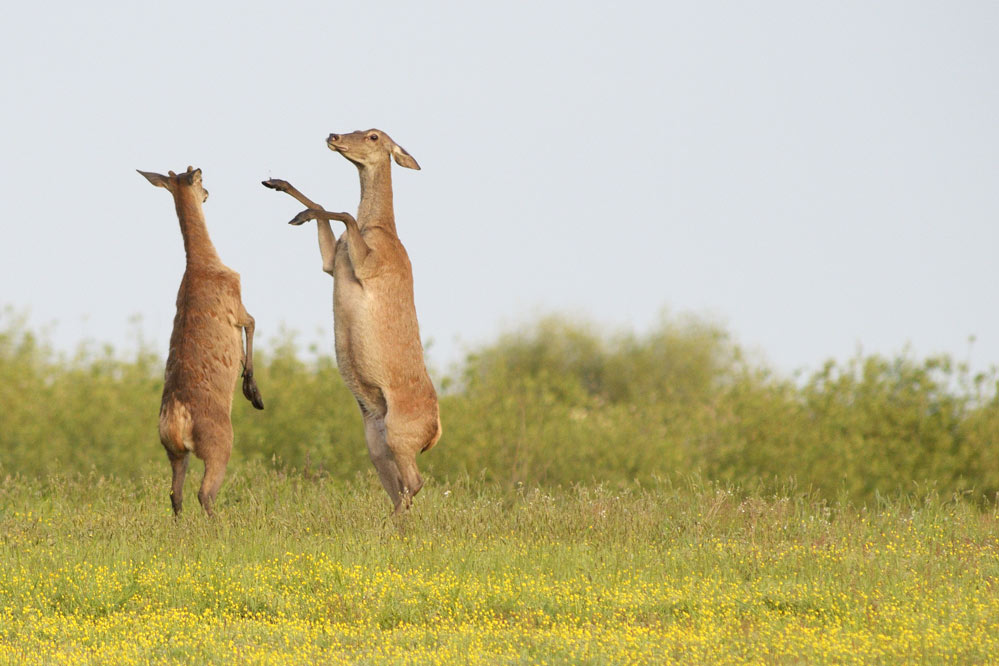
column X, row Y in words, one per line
column 595, row 499
column 302, row 569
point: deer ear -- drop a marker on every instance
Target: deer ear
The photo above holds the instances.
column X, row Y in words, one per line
column 402, row 158
column 156, row 179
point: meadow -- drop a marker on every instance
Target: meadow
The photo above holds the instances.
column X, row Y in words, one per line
column 596, row 498
column 303, row 569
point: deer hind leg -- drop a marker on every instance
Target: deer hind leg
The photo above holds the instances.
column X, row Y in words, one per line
column 382, row 458
column 216, row 458
column 405, row 439
column 179, row 465
column 409, row 477
column 177, row 436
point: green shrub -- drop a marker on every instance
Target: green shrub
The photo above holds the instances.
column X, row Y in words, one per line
column 556, row 403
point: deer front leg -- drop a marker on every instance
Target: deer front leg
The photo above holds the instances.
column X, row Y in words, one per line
column 250, row 389
column 289, row 189
column 327, row 246
column 327, row 241
column 356, row 247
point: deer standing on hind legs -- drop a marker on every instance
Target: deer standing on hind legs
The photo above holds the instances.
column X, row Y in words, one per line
column 378, row 349
column 206, row 350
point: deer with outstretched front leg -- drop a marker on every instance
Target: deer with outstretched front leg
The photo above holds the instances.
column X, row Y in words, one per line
column 378, row 348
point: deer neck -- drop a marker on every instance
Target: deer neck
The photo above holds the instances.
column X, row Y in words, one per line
column 376, row 208
column 197, row 244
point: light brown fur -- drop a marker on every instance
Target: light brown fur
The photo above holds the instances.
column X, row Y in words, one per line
column 378, row 347
column 206, row 350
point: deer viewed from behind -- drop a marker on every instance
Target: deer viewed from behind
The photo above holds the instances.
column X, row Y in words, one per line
column 378, row 347
column 206, row 350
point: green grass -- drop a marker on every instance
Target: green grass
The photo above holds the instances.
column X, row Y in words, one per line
column 302, row 568
column 595, row 499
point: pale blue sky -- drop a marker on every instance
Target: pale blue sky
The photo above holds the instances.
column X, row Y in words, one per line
column 816, row 176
